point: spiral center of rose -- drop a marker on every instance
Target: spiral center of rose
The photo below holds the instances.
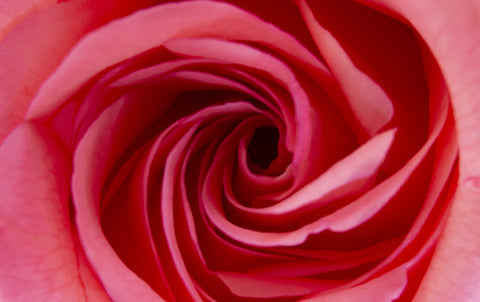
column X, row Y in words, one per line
column 262, row 149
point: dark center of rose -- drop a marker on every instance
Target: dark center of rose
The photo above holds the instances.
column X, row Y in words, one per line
column 262, row 149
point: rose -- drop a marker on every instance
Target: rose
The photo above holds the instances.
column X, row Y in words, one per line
column 41, row 145
column 89, row 171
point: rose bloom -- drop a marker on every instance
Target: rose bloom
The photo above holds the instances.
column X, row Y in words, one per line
column 242, row 150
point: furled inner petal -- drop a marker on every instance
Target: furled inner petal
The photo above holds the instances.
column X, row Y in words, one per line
column 162, row 205
column 158, row 25
column 343, row 219
column 391, row 58
column 90, row 172
column 446, row 148
column 308, row 120
column 368, row 101
column 337, row 182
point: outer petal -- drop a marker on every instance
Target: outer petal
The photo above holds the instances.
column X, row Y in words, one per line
column 454, row 271
column 39, row 257
column 452, row 31
column 152, row 28
column 13, row 12
column 32, row 50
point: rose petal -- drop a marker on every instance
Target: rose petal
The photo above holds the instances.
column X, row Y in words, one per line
column 253, row 286
column 308, row 155
column 453, row 274
column 342, row 220
column 39, row 256
column 161, row 211
column 94, row 53
column 111, row 133
column 387, row 287
column 362, row 165
column 13, row 12
column 157, row 73
column 41, row 41
column 452, row 32
column 40, row 48
column 187, row 286
column 433, row 212
column 388, row 52
column 337, row 182
column 366, row 98
column 283, row 15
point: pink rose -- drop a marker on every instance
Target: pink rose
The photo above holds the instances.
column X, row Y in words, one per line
column 300, row 150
